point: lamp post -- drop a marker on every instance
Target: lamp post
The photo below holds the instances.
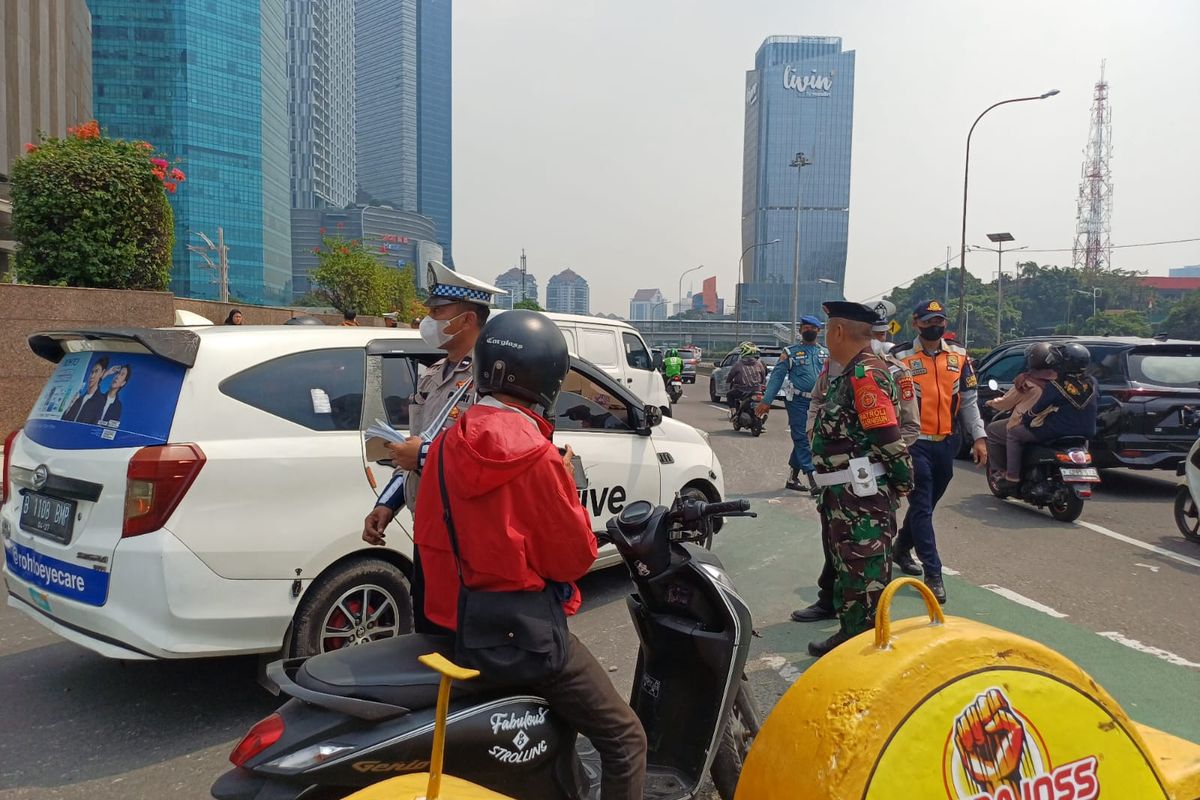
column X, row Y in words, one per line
column 967, row 325
column 1096, row 290
column 962, row 254
column 221, row 267
column 799, row 162
column 737, row 325
column 999, row 239
column 685, row 272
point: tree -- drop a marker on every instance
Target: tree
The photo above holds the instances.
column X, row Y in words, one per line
column 528, row 305
column 1184, row 320
column 349, row 278
column 1117, row 323
column 93, row 211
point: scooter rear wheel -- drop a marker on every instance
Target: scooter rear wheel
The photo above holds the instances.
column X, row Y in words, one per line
column 993, row 482
column 742, row 727
column 1068, row 509
column 1187, row 516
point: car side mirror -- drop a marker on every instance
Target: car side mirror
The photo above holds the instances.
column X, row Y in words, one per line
column 991, row 384
column 658, row 361
column 652, row 417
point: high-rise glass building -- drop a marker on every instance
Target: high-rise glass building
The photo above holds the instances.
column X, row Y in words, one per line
column 402, row 107
column 519, row 285
column 799, row 99
column 206, row 82
column 321, row 102
column 568, row 293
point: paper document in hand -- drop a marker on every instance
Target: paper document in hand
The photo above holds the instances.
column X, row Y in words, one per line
column 381, row 430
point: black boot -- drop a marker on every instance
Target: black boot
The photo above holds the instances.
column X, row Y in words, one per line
column 793, row 481
column 818, row 649
column 903, row 561
column 934, row 582
column 815, row 613
column 813, row 489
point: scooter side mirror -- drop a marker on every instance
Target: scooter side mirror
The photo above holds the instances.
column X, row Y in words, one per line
column 991, row 384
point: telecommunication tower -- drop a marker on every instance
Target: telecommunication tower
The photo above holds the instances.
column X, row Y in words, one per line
column 1093, row 220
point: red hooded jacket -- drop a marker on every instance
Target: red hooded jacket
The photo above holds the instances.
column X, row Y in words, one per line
column 517, row 513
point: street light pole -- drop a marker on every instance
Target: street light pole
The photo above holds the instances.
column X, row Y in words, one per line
column 221, row 267
column 737, row 325
column 999, row 239
column 685, row 272
column 1096, row 290
column 962, row 255
column 799, row 162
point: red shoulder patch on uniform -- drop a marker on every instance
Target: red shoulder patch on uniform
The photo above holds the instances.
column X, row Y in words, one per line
column 906, row 388
column 873, row 404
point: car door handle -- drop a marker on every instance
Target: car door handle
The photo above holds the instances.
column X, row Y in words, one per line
column 386, row 462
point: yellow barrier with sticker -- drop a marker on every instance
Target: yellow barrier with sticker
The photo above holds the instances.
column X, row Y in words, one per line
column 952, row 709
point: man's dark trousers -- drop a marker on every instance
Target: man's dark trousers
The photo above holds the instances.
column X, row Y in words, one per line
column 825, row 598
column 933, row 467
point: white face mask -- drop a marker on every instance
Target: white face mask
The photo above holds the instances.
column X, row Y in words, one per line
column 880, row 348
column 433, row 331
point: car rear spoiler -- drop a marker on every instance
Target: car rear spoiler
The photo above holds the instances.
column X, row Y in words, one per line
column 177, row 346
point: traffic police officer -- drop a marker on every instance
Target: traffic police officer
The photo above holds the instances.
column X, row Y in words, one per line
column 862, row 468
column 458, row 308
column 946, row 390
column 800, row 363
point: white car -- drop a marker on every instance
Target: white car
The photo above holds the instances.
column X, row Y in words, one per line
column 200, row 492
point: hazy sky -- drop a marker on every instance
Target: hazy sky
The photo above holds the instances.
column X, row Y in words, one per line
column 606, row 135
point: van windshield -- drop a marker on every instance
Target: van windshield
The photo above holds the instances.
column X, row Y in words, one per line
column 100, row 400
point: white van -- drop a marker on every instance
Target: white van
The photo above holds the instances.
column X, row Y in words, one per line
column 182, row 492
column 617, row 348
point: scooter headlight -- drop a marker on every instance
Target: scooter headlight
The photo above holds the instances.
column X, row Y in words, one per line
column 310, row 756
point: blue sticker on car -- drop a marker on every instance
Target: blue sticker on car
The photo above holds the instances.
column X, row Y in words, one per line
column 103, row 400
column 58, row 577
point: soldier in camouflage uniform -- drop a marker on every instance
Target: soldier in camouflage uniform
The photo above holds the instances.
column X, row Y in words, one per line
column 863, row 468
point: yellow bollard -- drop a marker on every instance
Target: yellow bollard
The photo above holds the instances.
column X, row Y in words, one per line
column 952, row 709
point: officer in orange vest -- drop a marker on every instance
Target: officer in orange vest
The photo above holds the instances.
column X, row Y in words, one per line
column 946, row 391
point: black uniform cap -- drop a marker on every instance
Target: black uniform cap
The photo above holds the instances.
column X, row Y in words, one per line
column 848, row 310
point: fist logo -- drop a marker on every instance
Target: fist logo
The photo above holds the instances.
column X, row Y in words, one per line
column 991, row 740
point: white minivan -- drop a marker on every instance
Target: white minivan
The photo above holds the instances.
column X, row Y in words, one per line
column 190, row 492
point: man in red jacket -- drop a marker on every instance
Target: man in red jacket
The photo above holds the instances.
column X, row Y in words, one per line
column 520, row 525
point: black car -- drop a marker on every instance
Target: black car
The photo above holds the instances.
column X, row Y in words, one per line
column 1145, row 387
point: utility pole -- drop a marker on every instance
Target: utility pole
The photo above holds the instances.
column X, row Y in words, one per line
column 946, row 292
column 799, row 162
column 221, row 268
column 524, row 291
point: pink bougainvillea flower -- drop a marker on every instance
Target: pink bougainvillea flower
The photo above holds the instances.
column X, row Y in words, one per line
column 383, row 248
column 158, row 162
column 322, row 231
column 177, row 175
column 170, row 186
column 30, row 147
column 145, row 145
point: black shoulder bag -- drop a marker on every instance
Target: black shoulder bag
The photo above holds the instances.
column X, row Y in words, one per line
column 511, row 637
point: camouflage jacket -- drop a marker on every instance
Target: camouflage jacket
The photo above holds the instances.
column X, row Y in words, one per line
column 860, row 416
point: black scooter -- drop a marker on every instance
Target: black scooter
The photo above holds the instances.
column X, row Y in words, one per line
column 359, row 715
column 745, row 417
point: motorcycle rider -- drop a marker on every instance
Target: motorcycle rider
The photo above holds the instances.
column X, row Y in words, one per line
column 1024, row 394
column 458, row 308
column 1067, row 407
column 746, row 377
column 672, row 366
column 800, row 364
column 946, row 389
column 520, row 525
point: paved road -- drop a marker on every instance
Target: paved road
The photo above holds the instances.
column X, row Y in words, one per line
column 75, row 725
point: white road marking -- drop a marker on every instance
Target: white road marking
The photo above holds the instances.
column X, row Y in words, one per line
column 719, row 408
column 1120, row 537
column 947, row 571
column 784, row 668
column 1023, row 600
column 1150, row 567
column 1158, row 652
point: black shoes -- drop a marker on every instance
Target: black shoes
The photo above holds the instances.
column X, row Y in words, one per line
column 903, row 561
column 818, row 649
column 813, row 489
column 934, row 582
column 814, row 613
column 793, row 482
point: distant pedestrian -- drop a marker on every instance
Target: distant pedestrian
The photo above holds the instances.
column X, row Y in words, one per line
column 390, row 321
column 234, row 318
column 349, row 319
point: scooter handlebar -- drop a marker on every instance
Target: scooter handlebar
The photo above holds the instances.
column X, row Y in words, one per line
column 724, row 507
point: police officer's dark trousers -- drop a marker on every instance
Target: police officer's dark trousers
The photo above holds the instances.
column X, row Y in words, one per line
column 933, row 467
column 801, row 458
column 828, row 576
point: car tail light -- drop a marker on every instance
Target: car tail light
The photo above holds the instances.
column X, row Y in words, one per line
column 1130, row 453
column 157, row 479
column 266, row 732
column 5, row 483
column 1075, row 457
column 1125, row 395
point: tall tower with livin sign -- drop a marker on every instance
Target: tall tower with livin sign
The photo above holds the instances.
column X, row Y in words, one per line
column 1093, row 225
column 799, row 99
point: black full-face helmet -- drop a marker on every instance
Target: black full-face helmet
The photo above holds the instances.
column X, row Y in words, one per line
column 524, row 354
column 1038, row 355
column 1069, row 358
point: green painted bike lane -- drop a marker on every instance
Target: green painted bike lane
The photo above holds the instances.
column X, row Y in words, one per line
column 774, row 561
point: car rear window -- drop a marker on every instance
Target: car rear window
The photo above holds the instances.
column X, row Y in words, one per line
column 1166, row 366
column 319, row 389
column 99, row 400
column 687, row 353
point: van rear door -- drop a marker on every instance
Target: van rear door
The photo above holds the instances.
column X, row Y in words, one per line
column 103, row 417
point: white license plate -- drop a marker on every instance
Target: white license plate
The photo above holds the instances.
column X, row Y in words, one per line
column 1085, row 475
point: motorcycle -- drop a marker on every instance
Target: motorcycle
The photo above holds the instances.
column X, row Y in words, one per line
column 675, row 388
column 744, row 416
column 1057, row 474
column 1187, row 517
column 360, row 715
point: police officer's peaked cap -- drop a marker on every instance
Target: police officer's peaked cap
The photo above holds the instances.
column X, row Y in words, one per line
column 811, row 320
column 447, row 286
column 930, row 309
column 884, row 311
column 844, row 309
